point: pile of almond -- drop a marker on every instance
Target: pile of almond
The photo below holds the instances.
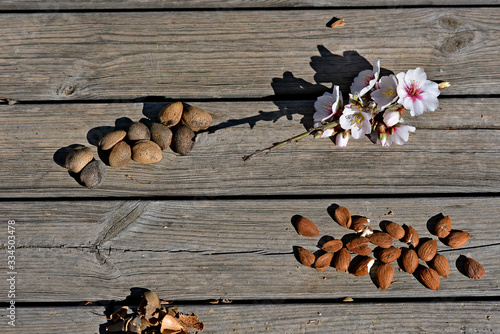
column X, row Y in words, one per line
column 337, row 252
column 176, row 128
column 152, row 317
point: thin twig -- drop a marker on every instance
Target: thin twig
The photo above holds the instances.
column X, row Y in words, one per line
column 290, row 140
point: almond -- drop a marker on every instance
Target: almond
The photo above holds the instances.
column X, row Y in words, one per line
column 381, row 239
column 473, row 269
column 363, row 266
column 323, row 262
column 385, row 273
column 111, row 139
column 430, row 278
column 332, row 246
column 394, row 229
column 427, row 250
column 411, row 236
column 457, row 239
column 306, row 227
column 196, row 118
column 440, row 264
column 171, row 114
column 342, row 259
column 442, row 227
column 387, row 255
column 359, row 223
column 342, row 216
column 306, row 257
column 359, row 245
column 409, row 259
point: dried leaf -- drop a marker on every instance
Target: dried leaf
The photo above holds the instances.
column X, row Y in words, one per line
column 191, row 321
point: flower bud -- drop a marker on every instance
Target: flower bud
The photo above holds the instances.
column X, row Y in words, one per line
column 444, row 85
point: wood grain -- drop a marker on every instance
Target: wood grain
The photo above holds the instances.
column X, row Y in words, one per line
column 197, row 250
column 273, row 316
column 453, row 150
column 57, row 5
column 239, row 54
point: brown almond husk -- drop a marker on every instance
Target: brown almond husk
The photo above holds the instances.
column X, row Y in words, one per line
column 323, row 262
column 442, row 227
column 394, row 229
column 385, row 274
column 473, row 269
column 342, row 259
column 427, row 250
column 430, row 278
column 359, row 245
column 409, row 258
column 381, row 239
column 457, row 239
column 440, row 264
column 388, row 255
column 306, row 257
column 332, row 246
column 342, row 216
column 306, row 227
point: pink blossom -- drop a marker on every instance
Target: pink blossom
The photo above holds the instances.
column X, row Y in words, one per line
column 342, row 138
column 326, row 106
column 386, row 92
column 366, row 80
column 416, row 93
column 399, row 133
column 355, row 120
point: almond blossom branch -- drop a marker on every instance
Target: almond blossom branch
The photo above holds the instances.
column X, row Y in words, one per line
column 314, row 132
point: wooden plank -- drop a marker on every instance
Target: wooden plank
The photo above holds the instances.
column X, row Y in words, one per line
column 57, row 5
column 78, row 251
column 454, row 149
column 239, row 54
column 275, row 317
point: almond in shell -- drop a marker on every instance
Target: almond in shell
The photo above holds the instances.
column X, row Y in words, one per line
column 332, row 246
column 146, row 152
column 394, row 229
column 171, row 114
column 78, row 158
column 342, row 259
column 305, row 227
column 138, row 131
column 457, row 239
column 359, row 245
column 388, row 255
column 381, row 239
column 306, row 257
column 363, row 266
column 427, row 250
column 196, row 118
column 110, row 139
column 342, row 216
column 442, row 227
column 440, row 264
column 473, row 269
column 385, row 274
column 120, row 155
column 429, row 278
column 323, row 262
column 409, row 259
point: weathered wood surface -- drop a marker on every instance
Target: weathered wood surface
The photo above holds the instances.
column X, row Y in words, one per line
column 233, row 54
column 454, row 149
column 53, row 6
column 443, row 316
column 196, row 250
